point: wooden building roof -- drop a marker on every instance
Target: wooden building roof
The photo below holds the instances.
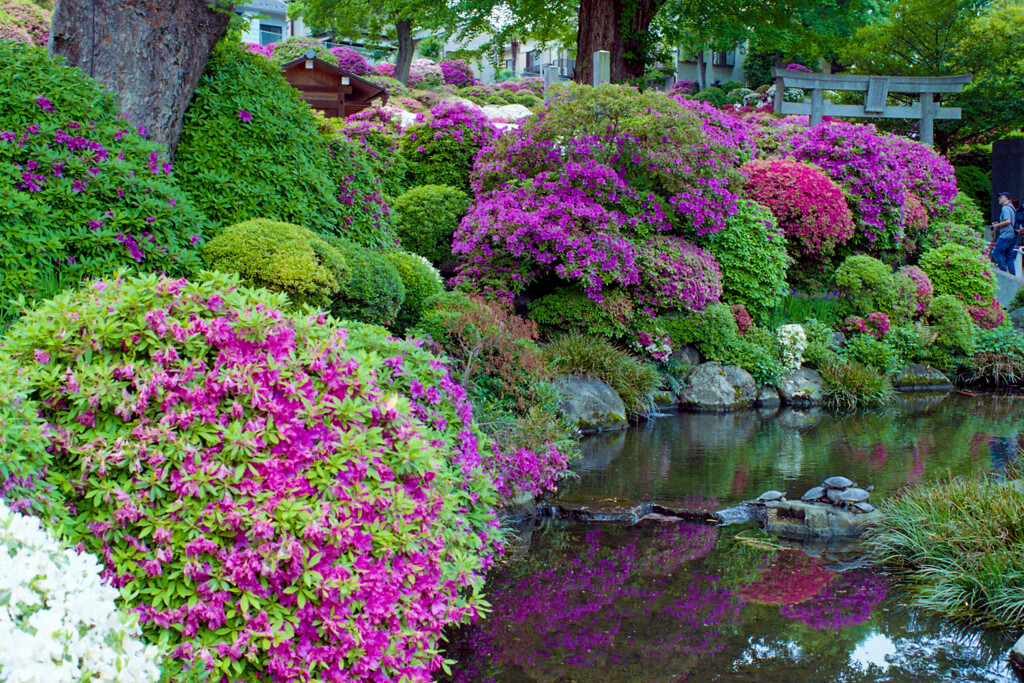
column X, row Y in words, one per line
column 336, row 92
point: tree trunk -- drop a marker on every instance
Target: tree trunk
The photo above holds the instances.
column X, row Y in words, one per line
column 150, row 52
column 515, row 56
column 702, row 70
column 622, row 27
column 406, row 47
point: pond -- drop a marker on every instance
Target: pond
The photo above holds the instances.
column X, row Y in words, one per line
column 671, row 601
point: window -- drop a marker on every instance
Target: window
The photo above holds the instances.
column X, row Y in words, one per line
column 532, row 63
column 509, row 65
column 723, row 58
column 270, row 33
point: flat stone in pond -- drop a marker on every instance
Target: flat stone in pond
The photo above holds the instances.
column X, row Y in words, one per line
column 590, row 404
column 797, row 519
column 917, row 377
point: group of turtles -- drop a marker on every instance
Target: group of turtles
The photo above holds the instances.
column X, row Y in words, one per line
column 838, row 491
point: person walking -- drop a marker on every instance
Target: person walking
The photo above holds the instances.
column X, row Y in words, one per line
column 1002, row 252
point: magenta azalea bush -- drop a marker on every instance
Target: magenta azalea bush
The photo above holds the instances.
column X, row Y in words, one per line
column 277, row 497
column 262, row 50
column 929, row 175
column 441, row 145
column 922, row 286
column 85, row 192
column 723, row 129
column 24, row 21
column 350, row 60
column 683, row 87
column 457, row 72
column 876, row 324
column 810, row 209
column 386, row 69
column 425, row 73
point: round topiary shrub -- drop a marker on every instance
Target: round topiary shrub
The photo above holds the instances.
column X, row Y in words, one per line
column 281, row 257
column 441, row 145
column 751, row 254
column 84, row 193
column 277, row 497
column 351, row 61
column 420, row 280
column 426, row 218
column 809, row 207
column 961, row 272
column 457, row 72
column 25, row 22
column 252, row 148
column 865, row 285
column 952, row 325
column 922, row 287
column 374, row 292
column 295, row 47
column 713, row 96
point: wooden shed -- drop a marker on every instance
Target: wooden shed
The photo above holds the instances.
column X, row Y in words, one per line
column 336, row 92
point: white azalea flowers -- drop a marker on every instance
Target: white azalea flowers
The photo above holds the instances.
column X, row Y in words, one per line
column 792, row 342
column 58, row 620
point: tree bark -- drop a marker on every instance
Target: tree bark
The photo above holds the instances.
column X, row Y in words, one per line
column 406, row 46
column 515, row 56
column 622, row 27
column 150, row 52
column 702, row 70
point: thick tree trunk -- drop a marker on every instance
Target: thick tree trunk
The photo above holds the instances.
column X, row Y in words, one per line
column 406, row 46
column 150, row 52
column 702, row 70
column 622, row 27
column 515, row 56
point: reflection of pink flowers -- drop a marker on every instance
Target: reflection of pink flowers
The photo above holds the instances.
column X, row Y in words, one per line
column 792, row 577
column 847, row 601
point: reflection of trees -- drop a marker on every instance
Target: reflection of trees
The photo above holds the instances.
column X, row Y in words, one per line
column 616, row 611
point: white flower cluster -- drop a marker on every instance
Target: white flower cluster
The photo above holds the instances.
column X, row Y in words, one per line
column 58, row 620
column 792, row 342
column 434, row 273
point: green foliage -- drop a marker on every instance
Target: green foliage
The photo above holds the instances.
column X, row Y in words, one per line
column 909, row 342
column 757, row 352
column 82, row 193
column 751, row 252
column 866, row 285
column 800, row 308
column 430, row 47
column 26, row 21
column 846, row 386
column 952, row 325
column 374, row 292
column 281, row 257
column 712, row 95
column 440, row 150
column 426, row 218
column 634, row 380
column 957, row 545
column 569, row 309
column 712, row 331
column 820, row 348
column 976, row 184
column 1017, row 301
column 872, row 352
column 421, row 282
column 998, row 356
column 961, row 272
column 941, row 234
column 278, row 165
column 292, row 48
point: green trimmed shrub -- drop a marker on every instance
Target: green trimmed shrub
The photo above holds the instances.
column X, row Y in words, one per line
column 758, row 353
column 252, row 148
column 751, row 253
column 374, row 292
column 866, row 285
column 940, row 234
column 421, row 282
column 712, row 331
column 393, row 86
column 820, row 348
column 1017, row 301
column 525, row 98
column 633, row 379
column 846, row 386
column 958, row 271
column 84, row 193
column 426, row 218
column 569, row 309
column 713, row 96
column 281, row 257
column 875, row 353
column 292, row 48
column 952, row 325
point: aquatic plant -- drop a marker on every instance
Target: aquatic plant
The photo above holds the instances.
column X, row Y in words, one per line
column 848, row 385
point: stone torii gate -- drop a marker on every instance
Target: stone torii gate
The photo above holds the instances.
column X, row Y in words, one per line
column 926, row 109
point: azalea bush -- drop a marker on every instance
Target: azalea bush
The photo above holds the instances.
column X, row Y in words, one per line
column 252, row 148
column 58, row 619
column 25, row 21
column 442, row 144
column 569, row 309
column 279, row 498
column 425, row 73
column 961, row 272
column 295, row 47
column 865, row 285
column 374, row 292
column 457, row 72
column 85, row 192
column 351, row 61
column 377, row 130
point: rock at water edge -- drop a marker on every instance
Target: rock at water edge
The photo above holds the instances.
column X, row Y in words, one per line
column 590, row 404
column 801, row 388
column 917, row 377
column 714, row 387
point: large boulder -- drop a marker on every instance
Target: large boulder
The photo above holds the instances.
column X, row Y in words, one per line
column 768, row 397
column 801, row 388
column 1016, row 317
column 590, row 404
column 715, row 387
column 797, row 519
column 917, row 377
column 509, row 112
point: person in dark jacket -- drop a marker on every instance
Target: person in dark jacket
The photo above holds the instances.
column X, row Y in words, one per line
column 1003, row 253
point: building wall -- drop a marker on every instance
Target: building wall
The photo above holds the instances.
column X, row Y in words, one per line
column 272, row 17
column 686, row 70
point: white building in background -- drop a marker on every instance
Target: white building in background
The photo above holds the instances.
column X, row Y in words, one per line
column 718, row 66
column 269, row 22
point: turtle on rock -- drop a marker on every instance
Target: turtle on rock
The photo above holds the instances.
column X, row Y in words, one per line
column 814, row 495
column 772, row 496
column 839, row 483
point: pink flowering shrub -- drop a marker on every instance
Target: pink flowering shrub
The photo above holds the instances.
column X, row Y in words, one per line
column 793, row 66
column 726, row 130
column 350, row 60
column 930, row 176
column 441, row 145
column 742, row 317
column 868, row 168
column 876, row 324
column 386, row 69
column 424, row 73
column 458, row 73
column 988, row 316
column 263, row 50
column 921, row 284
column 85, row 192
column 25, row 22
column 377, row 131
column 532, row 84
column 675, row 275
column 277, row 497
column 683, row 88
column 810, row 209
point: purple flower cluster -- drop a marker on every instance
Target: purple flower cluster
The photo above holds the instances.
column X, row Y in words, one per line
column 922, row 286
column 847, row 601
column 263, row 50
column 929, row 175
column 876, row 324
column 727, row 132
column 458, row 73
column 350, row 60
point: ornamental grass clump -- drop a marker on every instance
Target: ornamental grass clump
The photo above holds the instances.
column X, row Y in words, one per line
column 634, row 380
column 849, row 385
column 957, row 544
column 85, row 192
column 59, row 621
column 278, row 497
column 251, row 148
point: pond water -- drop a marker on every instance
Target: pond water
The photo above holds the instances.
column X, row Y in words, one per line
column 659, row 602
